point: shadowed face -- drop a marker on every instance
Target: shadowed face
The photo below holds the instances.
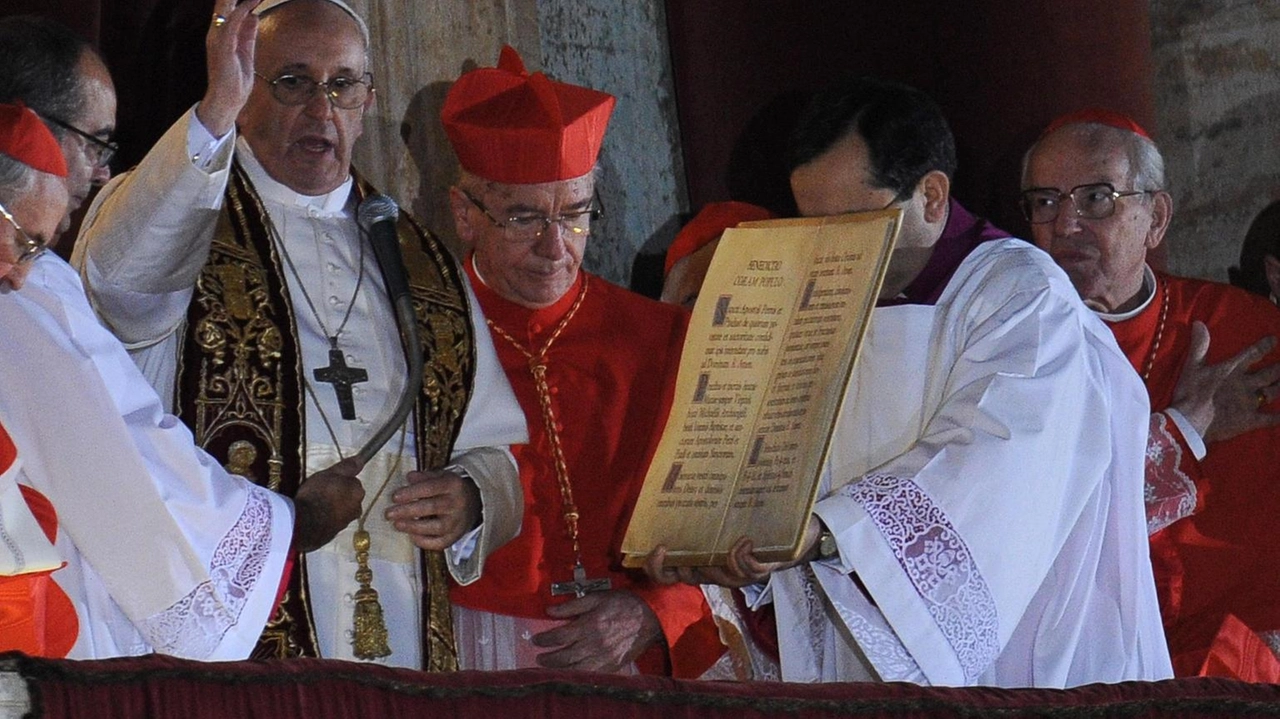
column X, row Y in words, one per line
column 305, row 147
column 97, row 119
column 533, row 272
column 684, row 282
column 839, row 182
column 39, row 211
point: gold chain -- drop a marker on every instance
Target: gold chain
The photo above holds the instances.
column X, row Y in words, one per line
column 1164, row 315
column 538, row 368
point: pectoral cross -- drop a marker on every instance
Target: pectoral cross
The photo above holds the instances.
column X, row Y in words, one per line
column 580, row 586
column 341, row 377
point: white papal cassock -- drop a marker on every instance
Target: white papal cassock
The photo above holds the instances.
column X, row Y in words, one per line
column 165, row 551
column 145, row 239
column 985, row 490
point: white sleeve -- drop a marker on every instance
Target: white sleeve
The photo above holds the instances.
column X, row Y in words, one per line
column 998, row 498
column 147, row 234
column 493, row 421
column 191, row 555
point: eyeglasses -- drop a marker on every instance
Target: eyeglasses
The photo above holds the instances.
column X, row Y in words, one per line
column 29, row 247
column 1095, row 201
column 527, row 228
column 347, row 93
column 100, row 151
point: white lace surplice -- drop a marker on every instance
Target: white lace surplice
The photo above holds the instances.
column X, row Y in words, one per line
column 165, row 550
column 985, row 485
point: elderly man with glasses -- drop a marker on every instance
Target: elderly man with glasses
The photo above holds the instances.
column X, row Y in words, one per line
column 58, row 75
column 1094, row 192
column 592, row 365
column 231, row 264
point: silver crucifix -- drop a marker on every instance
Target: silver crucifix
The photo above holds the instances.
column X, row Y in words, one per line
column 580, row 586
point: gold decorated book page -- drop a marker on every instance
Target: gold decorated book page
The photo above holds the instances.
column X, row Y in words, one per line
column 769, row 351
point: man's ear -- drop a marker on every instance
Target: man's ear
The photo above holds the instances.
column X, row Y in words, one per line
column 460, row 208
column 936, row 187
column 1161, row 213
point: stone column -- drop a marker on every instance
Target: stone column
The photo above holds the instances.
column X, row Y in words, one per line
column 419, row 48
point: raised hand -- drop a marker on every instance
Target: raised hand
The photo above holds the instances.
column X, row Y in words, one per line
column 229, row 47
column 1228, row 398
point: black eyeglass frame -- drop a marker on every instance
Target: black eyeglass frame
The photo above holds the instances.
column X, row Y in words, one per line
column 106, row 149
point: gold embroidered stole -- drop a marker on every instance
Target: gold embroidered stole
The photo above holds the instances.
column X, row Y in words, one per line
column 240, row 387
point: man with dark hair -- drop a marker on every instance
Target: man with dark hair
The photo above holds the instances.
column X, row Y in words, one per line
column 1094, row 191
column 980, row 519
column 62, row 78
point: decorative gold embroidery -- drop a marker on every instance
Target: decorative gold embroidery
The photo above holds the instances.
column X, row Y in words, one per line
column 239, row 381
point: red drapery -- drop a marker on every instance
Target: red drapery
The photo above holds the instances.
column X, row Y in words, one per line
column 162, row 687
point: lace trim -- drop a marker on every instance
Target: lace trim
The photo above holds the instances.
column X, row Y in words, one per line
column 938, row 564
column 1169, row 494
column 194, row 626
column 878, row 642
column 743, row 660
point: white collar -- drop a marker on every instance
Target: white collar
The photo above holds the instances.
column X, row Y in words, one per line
column 1148, row 288
column 330, row 204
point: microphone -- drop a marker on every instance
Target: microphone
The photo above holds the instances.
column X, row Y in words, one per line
column 377, row 216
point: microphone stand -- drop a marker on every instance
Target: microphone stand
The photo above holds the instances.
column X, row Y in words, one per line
column 369, row 636
column 407, row 322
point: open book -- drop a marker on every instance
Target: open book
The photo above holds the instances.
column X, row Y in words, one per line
column 769, row 352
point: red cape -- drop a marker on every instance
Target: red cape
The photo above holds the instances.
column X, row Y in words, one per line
column 611, row 373
column 1223, row 561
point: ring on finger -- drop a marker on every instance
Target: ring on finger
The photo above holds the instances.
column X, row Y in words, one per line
column 1261, row 396
column 219, row 20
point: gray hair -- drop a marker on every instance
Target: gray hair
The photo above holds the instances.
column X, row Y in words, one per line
column 1146, row 164
column 16, row 179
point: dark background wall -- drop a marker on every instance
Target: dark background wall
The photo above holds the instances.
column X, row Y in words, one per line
column 1204, row 78
column 1001, row 69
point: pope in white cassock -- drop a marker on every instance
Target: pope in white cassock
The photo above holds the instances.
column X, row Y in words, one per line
column 230, row 264
column 154, row 544
column 980, row 519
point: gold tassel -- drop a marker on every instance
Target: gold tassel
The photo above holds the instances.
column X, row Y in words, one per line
column 369, row 638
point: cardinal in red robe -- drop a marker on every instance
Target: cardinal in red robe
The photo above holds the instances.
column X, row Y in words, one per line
column 593, row 367
column 1093, row 191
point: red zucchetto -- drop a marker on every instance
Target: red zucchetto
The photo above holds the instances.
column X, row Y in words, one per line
column 509, row 126
column 1099, row 116
column 708, row 224
column 26, row 139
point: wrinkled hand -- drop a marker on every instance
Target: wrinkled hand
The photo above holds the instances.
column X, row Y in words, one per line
column 606, row 632
column 325, row 503
column 436, row 509
column 1221, row 400
column 229, row 55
